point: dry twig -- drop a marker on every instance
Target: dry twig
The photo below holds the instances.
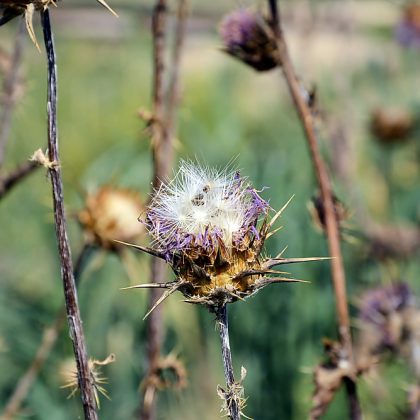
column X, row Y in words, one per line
column 72, row 307
column 332, row 230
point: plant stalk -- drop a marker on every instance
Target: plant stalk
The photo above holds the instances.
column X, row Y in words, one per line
column 85, row 379
column 332, row 229
column 162, row 159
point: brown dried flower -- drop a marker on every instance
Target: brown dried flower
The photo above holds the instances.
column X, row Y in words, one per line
column 111, row 214
column 391, row 125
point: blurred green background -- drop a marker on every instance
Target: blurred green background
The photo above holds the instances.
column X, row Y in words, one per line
column 347, row 49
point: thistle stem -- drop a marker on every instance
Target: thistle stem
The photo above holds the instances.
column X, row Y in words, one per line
column 85, row 381
column 222, row 320
column 332, row 230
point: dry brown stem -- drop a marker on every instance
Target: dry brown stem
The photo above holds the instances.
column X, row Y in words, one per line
column 85, row 381
column 332, row 229
column 161, row 127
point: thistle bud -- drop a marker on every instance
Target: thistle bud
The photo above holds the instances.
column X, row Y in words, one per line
column 111, row 214
column 247, row 37
column 210, row 226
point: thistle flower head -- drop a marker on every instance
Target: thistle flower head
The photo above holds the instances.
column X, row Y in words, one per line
column 111, row 214
column 246, row 36
column 210, row 226
column 391, row 125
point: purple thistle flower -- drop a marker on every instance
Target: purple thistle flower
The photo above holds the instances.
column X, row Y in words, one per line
column 246, row 36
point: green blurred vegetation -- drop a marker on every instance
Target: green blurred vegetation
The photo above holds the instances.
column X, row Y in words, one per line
column 227, row 111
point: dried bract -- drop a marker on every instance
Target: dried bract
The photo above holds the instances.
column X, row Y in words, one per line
column 247, row 37
column 210, row 226
column 111, row 214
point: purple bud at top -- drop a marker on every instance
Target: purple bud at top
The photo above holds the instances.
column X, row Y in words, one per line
column 246, row 36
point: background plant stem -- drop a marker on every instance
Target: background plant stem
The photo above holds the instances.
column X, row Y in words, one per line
column 332, row 229
column 162, row 159
column 85, row 380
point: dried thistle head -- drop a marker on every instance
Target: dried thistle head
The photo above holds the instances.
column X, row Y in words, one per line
column 69, row 378
column 391, row 125
column 109, row 214
column 382, row 317
column 247, row 37
column 211, row 226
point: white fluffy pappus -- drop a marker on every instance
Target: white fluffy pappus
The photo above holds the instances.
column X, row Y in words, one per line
column 202, row 201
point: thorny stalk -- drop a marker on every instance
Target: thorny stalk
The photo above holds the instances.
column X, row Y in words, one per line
column 49, row 338
column 222, row 320
column 85, row 381
column 333, row 234
column 9, row 90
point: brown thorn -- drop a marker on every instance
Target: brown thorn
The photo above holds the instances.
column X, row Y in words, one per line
column 149, row 286
column 145, row 249
column 272, row 262
column 164, row 296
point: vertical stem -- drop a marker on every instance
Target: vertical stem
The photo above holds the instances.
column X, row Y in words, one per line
column 333, row 234
column 85, row 379
column 222, row 319
column 9, row 90
column 162, row 159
